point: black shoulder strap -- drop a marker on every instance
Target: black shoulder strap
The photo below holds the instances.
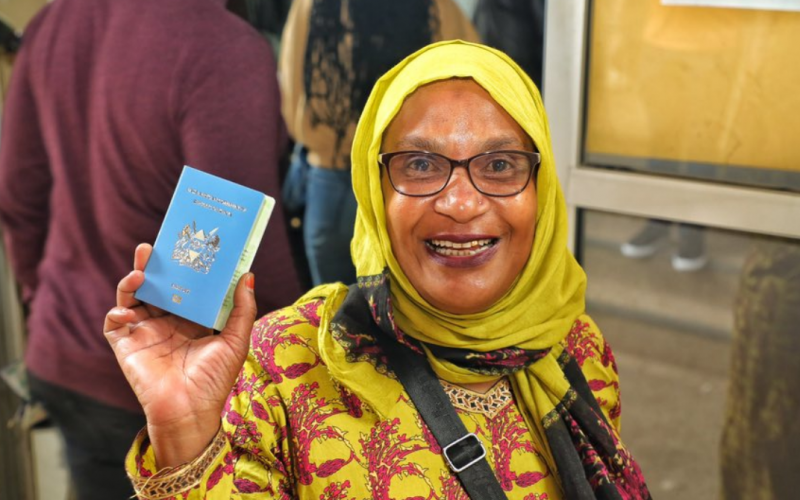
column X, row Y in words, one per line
column 462, row 450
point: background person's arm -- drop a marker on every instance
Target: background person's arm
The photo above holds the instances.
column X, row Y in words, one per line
column 290, row 67
column 454, row 24
column 25, row 180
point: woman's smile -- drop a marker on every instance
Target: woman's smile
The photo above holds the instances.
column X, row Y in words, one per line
column 462, row 250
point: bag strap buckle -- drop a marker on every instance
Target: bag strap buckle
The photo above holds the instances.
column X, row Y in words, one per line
column 464, row 452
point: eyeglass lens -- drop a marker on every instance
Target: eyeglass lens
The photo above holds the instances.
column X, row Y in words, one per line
column 500, row 173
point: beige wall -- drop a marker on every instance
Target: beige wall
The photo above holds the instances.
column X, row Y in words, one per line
column 692, row 84
column 17, row 13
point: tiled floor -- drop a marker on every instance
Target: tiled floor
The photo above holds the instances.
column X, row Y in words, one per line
column 671, row 333
column 673, row 395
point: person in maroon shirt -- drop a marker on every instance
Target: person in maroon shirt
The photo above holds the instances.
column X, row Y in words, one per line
column 108, row 101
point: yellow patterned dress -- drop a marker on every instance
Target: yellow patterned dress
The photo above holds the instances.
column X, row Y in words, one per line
column 290, row 431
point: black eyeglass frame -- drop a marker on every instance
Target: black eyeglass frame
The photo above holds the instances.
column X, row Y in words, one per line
column 535, row 157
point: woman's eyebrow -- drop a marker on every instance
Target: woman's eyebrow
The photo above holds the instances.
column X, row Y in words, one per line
column 497, row 143
column 422, row 143
column 435, row 145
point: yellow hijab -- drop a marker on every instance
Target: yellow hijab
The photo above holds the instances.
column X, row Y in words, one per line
column 539, row 309
column 544, row 302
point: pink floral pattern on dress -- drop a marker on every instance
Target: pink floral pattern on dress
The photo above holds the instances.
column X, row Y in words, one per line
column 596, row 386
column 336, row 491
column 386, row 452
column 225, row 468
column 509, row 434
column 581, row 342
column 271, row 334
column 141, row 470
column 355, row 408
column 310, row 312
column 307, row 416
column 451, row 488
column 248, row 486
column 607, row 357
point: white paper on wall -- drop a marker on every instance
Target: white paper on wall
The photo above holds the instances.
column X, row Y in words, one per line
column 788, row 5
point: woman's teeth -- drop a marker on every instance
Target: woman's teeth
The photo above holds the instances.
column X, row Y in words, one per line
column 465, row 249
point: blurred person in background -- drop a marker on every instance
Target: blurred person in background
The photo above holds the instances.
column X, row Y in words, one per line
column 517, row 28
column 332, row 53
column 266, row 16
column 108, row 101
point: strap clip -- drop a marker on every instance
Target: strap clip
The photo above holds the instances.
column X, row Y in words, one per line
column 464, row 452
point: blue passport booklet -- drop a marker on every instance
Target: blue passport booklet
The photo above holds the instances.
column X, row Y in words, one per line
column 207, row 241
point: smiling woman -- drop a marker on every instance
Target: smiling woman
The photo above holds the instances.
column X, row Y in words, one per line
column 459, row 238
column 468, row 304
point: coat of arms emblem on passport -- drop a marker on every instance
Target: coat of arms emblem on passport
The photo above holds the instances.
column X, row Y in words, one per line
column 196, row 249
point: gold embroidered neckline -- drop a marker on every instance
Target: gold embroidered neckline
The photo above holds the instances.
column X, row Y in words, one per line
column 488, row 404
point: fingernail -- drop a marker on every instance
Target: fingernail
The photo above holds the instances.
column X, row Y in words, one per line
column 250, row 282
column 120, row 311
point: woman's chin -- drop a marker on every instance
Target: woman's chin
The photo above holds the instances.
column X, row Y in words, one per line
column 459, row 298
column 465, row 289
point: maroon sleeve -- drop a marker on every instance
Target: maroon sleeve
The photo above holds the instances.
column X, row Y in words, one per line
column 231, row 126
column 25, row 180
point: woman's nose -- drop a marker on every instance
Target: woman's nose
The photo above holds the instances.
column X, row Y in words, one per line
column 460, row 200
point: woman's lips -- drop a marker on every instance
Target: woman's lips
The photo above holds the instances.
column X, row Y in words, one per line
column 461, row 251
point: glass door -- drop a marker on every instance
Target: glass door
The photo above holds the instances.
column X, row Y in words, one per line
column 675, row 126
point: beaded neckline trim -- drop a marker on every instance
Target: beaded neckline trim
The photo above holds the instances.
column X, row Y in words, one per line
column 488, row 404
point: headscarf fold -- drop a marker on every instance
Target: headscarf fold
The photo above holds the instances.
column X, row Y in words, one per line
column 517, row 336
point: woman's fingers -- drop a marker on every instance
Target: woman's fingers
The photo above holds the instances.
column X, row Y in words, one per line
column 123, row 316
column 127, row 287
column 129, row 284
column 240, row 322
column 117, row 321
column 141, row 256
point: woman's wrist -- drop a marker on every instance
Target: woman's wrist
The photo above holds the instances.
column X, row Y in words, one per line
column 178, row 444
column 149, row 482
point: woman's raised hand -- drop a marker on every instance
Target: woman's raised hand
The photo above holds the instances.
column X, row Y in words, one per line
column 181, row 372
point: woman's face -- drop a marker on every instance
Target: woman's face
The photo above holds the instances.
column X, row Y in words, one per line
column 458, row 119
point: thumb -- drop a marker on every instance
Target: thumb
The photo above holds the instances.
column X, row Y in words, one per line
column 240, row 322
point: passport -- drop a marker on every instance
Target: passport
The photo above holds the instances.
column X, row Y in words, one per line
column 208, row 240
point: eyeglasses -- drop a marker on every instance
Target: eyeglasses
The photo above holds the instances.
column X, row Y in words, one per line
column 495, row 173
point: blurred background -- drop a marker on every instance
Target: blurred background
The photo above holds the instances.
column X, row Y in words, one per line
column 675, row 126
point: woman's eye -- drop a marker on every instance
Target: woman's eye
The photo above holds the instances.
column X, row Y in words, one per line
column 500, row 166
column 420, row 165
